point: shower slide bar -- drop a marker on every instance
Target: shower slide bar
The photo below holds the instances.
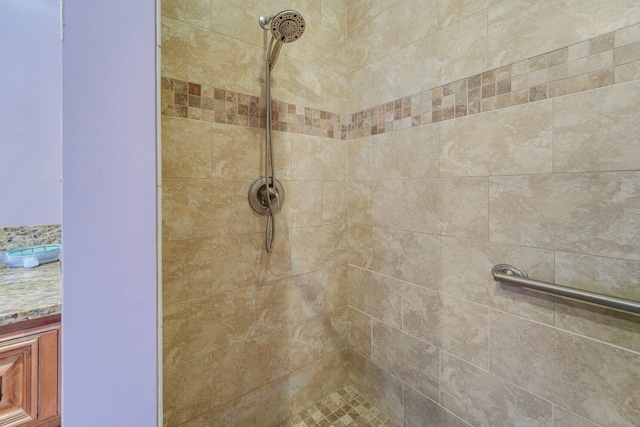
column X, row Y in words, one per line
column 511, row 275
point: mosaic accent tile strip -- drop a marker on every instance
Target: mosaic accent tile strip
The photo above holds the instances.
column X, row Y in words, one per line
column 343, row 408
column 199, row 102
column 608, row 59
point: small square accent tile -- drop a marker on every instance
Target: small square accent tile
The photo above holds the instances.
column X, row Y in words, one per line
column 345, row 407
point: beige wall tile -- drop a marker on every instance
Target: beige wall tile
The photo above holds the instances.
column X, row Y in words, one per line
column 196, row 55
column 278, row 304
column 454, row 325
column 317, row 248
column 415, row 362
column 628, row 35
column 405, row 154
column 196, row 12
column 588, row 213
column 334, row 15
column 359, row 47
column 503, row 142
column 597, row 130
column 206, row 324
column 315, row 158
column 241, row 411
column 303, row 203
column 335, row 371
column 358, row 12
column 360, row 199
column 381, row 388
column 186, row 148
column 463, row 207
column 519, row 29
column 376, row 83
column 564, row 418
column 567, row 369
column 376, row 295
column 483, row 399
column 195, row 208
column 187, row 390
column 408, row 256
column 420, row 411
column 359, row 331
column 391, row 27
column 628, row 53
column 627, row 72
column 390, row 206
column 334, row 202
column 187, row 271
column 475, row 283
column 360, row 245
column 296, row 82
column 359, row 155
column 451, row 11
column 305, row 387
column 236, row 153
column 243, row 367
column 603, row 275
column 453, row 53
column 317, row 337
column 273, row 405
column 239, row 19
column 251, row 263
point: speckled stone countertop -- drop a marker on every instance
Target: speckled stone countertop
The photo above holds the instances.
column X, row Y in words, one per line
column 29, row 293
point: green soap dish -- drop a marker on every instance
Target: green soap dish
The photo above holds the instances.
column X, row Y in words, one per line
column 30, row 256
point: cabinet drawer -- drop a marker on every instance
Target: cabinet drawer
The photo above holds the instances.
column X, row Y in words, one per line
column 29, row 377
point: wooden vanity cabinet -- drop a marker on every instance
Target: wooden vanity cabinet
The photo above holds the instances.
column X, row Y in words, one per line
column 30, row 374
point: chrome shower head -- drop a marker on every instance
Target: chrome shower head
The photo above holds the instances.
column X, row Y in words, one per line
column 286, row 27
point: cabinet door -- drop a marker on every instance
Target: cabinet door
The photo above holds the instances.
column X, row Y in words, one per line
column 18, row 381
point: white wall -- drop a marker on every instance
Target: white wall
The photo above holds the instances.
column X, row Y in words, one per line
column 109, row 221
column 31, row 88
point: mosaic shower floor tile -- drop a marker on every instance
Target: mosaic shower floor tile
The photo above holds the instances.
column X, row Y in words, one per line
column 345, row 407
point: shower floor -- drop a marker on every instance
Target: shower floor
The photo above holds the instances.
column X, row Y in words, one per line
column 345, row 407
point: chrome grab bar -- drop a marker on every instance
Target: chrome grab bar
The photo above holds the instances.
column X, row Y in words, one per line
column 510, row 275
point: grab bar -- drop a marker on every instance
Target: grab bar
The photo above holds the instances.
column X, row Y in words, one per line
column 511, row 275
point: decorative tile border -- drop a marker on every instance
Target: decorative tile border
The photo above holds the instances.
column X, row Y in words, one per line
column 609, row 59
column 199, row 102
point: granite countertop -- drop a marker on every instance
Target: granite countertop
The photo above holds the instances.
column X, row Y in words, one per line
column 29, row 293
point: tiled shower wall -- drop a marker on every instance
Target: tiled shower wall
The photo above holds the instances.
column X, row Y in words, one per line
column 251, row 338
column 493, row 132
column 420, row 143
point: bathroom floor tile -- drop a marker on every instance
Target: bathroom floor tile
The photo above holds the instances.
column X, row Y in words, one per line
column 345, row 407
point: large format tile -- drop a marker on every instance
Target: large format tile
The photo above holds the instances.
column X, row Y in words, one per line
column 186, row 148
column 413, row 361
column 564, row 418
column 381, row 388
column 194, row 12
column 597, row 130
column 236, row 153
column 483, row 399
column 451, row 11
column 315, row 338
column 420, row 411
column 241, row 368
column 359, row 331
column 408, row 256
column 454, row 325
column 376, row 295
column 206, row 324
column 205, row 57
column 519, row 29
column 466, row 273
column 391, row 26
column 187, row 390
column 507, row 141
column 317, row 248
column 463, row 207
column 451, row 54
column 567, row 369
column 187, row 270
column 588, row 213
column 405, row 154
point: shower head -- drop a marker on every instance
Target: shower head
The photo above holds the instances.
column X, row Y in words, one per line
column 286, row 27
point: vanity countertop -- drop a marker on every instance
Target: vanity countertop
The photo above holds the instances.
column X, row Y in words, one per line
column 29, row 293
